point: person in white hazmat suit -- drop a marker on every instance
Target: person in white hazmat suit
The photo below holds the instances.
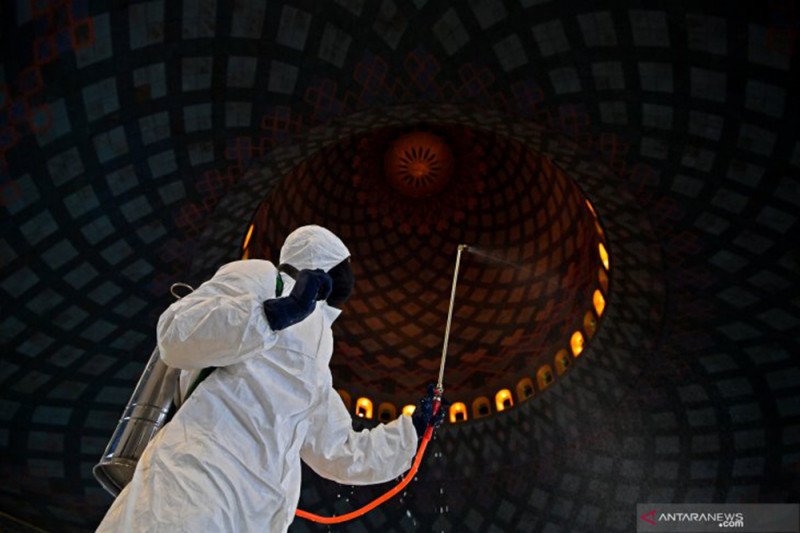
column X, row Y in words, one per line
column 229, row 460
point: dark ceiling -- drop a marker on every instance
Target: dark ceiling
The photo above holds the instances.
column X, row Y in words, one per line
column 138, row 139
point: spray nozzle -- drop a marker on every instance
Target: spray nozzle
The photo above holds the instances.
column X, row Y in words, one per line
column 462, row 247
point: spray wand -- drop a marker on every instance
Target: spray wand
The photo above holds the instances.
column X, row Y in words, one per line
column 439, row 390
column 437, row 405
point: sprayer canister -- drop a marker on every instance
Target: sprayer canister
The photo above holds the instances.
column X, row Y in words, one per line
column 147, row 412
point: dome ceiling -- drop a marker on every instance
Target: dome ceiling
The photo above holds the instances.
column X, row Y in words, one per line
column 511, row 316
column 138, row 139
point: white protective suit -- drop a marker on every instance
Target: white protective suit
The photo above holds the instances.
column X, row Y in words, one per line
column 229, row 460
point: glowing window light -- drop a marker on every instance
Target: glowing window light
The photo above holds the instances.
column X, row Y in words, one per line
column 576, row 343
column 525, row 389
column 603, row 255
column 599, row 302
column 480, row 407
column 598, row 227
column 247, row 237
column 458, row 412
column 589, row 324
column 591, row 207
column 563, row 361
column 503, row 400
column 544, row 377
column 364, row 408
column 409, row 409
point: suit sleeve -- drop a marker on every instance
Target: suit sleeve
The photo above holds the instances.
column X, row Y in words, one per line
column 335, row 451
column 219, row 324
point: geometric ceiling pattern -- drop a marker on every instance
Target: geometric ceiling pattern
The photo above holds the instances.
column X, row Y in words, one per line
column 126, row 131
column 512, row 315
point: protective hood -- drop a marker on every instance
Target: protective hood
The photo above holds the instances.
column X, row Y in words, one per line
column 310, row 247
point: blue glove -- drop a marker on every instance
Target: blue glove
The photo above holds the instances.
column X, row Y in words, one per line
column 310, row 286
column 423, row 414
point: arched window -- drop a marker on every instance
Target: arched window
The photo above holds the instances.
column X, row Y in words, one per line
column 603, row 255
column 544, row 377
column 247, row 237
column 602, row 277
column 503, row 400
column 598, row 227
column 348, row 402
column 525, row 389
column 364, row 408
column 576, row 343
column 387, row 412
column 599, row 302
column 589, row 324
column 458, row 412
column 480, row 407
column 409, row 409
column 563, row 361
column 591, row 207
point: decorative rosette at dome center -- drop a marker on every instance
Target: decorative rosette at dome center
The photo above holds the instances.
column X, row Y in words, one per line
column 421, row 179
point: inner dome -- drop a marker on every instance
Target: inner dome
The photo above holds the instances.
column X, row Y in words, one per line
column 516, row 307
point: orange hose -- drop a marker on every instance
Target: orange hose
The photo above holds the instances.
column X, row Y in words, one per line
column 380, row 499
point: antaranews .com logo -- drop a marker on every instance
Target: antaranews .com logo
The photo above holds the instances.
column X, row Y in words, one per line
column 711, row 517
column 730, row 520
